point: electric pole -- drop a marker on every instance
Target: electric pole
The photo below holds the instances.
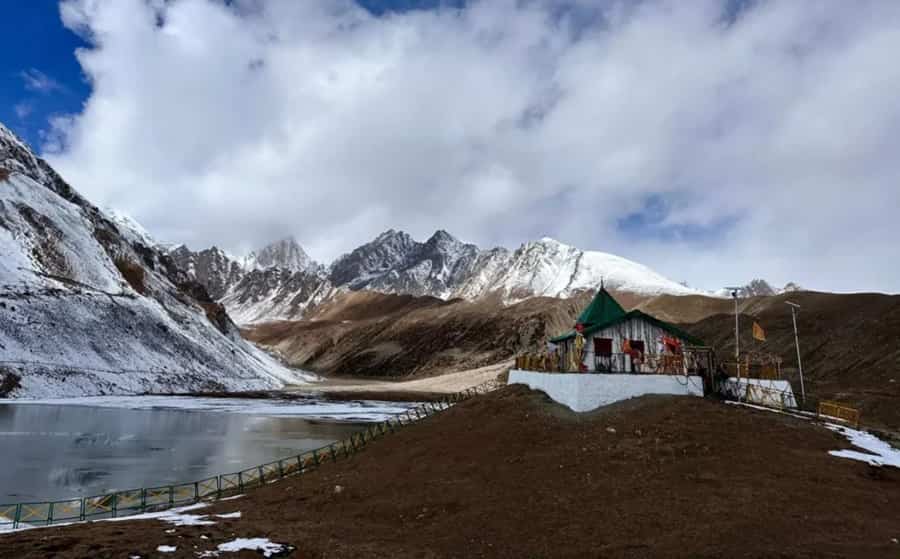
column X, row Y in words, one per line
column 794, row 307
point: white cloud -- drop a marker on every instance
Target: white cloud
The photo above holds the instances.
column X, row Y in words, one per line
column 35, row 80
column 23, row 109
column 769, row 139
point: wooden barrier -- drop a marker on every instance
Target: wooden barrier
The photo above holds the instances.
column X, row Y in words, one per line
column 839, row 411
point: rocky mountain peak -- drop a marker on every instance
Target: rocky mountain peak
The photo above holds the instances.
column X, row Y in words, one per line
column 791, row 286
column 285, row 254
column 393, row 237
column 390, row 250
column 757, row 288
column 760, row 288
column 441, row 237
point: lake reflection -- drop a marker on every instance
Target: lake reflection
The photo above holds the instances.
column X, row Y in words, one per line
column 60, row 451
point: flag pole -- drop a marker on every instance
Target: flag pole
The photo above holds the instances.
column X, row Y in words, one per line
column 794, row 307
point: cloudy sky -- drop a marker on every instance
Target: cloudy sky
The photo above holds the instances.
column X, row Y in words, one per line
column 713, row 140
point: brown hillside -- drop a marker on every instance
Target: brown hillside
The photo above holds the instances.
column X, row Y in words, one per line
column 374, row 334
column 511, row 474
column 850, row 345
column 850, row 342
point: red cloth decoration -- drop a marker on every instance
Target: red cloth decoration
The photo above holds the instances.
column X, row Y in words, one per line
column 673, row 345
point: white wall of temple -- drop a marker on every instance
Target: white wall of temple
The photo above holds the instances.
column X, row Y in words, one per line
column 582, row 392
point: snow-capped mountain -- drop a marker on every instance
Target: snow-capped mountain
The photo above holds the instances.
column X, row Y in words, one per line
column 550, row 268
column 394, row 262
column 133, row 231
column 285, row 254
column 87, row 307
column 212, row 267
column 276, row 294
column 759, row 288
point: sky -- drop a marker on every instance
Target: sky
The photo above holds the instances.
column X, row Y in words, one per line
column 714, row 140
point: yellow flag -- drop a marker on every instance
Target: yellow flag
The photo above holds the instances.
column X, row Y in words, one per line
column 758, row 332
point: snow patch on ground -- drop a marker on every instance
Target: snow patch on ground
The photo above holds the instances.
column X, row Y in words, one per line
column 262, row 545
column 175, row 517
column 166, row 549
column 878, row 452
column 230, row 515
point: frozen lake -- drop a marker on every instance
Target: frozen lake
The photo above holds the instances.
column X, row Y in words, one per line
column 73, row 448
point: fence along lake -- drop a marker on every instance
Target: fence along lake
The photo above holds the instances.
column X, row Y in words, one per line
column 62, row 450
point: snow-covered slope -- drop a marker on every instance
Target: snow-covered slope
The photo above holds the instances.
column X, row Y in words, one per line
column 87, row 307
column 133, row 231
column 553, row 269
column 276, row 294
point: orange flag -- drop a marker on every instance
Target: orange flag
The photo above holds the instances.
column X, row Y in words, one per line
column 758, row 332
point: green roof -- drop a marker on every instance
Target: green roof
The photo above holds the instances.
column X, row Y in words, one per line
column 604, row 311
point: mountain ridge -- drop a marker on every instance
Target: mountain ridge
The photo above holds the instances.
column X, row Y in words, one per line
column 442, row 266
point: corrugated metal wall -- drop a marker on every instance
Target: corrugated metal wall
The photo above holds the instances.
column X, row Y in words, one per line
column 632, row 329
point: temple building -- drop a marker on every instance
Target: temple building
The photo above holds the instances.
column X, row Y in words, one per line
column 607, row 339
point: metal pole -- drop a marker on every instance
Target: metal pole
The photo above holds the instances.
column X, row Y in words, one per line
column 737, row 340
column 737, row 333
column 794, row 307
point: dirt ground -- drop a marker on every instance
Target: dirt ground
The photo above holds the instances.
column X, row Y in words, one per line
column 511, row 474
column 368, row 388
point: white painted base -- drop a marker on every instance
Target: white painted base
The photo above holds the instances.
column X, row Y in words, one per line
column 772, row 393
column 583, row 392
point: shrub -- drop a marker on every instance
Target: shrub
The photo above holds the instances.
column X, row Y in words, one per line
column 9, row 381
column 133, row 274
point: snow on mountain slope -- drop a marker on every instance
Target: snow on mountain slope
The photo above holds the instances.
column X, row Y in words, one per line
column 87, row 308
column 285, row 254
column 553, row 269
column 133, row 231
column 442, row 267
column 276, row 294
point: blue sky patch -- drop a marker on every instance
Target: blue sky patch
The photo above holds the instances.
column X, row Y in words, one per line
column 39, row 74
column 650, row 223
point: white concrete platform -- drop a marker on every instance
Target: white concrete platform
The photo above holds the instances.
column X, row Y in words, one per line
column 772, row 393
column 583, row 392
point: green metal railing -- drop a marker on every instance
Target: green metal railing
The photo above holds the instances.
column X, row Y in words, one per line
column 152, row 499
